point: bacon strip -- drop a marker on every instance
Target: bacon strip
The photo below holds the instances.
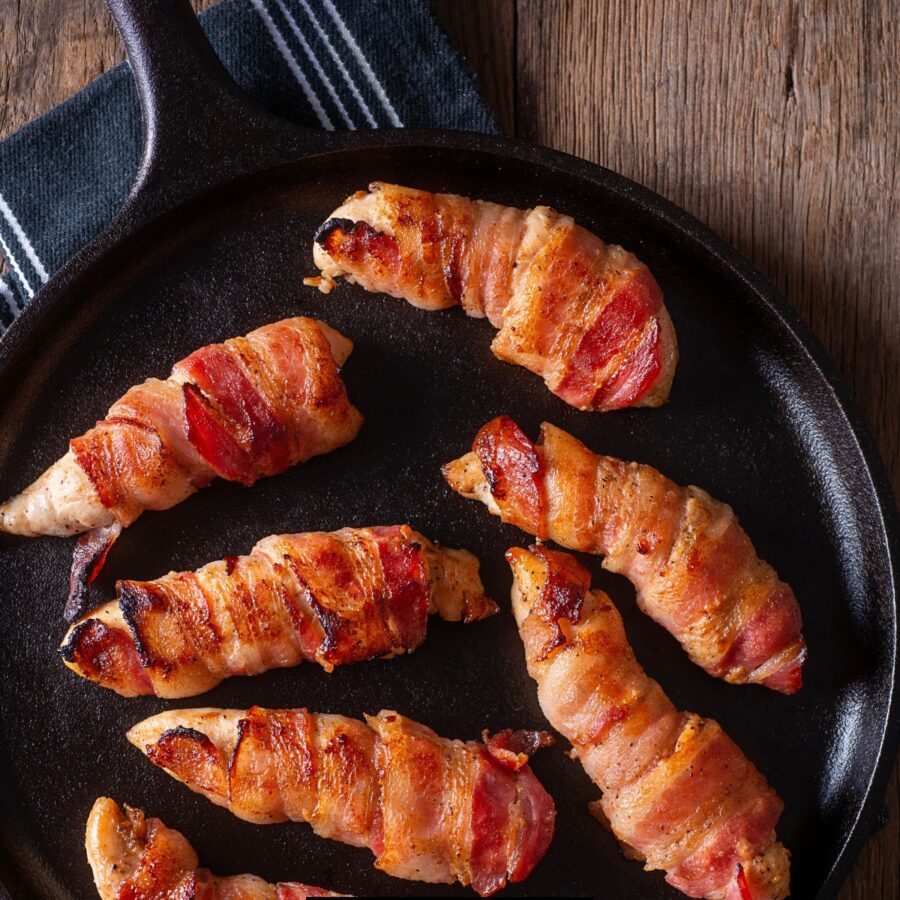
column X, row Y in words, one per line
column 694, row 568
column 331, row 598
column 88, row 559
column 513, row 469
column 676, row 790
column 429, row 808
column 250, row 407
column 586, row 316
column 135, row 858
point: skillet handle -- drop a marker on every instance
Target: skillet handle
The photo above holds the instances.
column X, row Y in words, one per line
column 200, row 128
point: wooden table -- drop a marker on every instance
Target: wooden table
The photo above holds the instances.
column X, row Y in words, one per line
column 777, row 123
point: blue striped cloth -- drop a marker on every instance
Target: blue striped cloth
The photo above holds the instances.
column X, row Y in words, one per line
column 334, row 64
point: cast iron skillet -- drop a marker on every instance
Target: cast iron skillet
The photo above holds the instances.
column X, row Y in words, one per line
column 213, row 242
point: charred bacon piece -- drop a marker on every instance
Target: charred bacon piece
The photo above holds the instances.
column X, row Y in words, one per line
column 332, row 598
column 694, row 568
column 677, row 791
column 586, row 316
column 135, row 858
column 429, row 808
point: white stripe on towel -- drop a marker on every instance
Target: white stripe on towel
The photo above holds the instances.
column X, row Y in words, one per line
column 22, row 238
column 311, row 56
column 6, row 292
column 16, row 267
column 363, row 62
column 283, row 48
column 340, row 64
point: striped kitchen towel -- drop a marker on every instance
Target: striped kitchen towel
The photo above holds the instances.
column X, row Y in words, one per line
column 334, row 64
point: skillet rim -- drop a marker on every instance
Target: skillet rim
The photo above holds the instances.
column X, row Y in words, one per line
column 146, row 204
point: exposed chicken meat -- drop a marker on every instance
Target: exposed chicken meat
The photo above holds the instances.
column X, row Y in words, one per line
column 134, row 858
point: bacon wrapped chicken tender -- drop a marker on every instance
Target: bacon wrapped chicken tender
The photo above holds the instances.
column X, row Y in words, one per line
column 429, row 808
column 587, row 317
column 135, row 858
column 331, row 598
column 678, row 793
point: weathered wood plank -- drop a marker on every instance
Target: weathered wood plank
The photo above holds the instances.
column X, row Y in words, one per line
column 49, row 49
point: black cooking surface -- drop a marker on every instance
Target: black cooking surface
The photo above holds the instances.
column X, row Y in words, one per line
column 750, row 419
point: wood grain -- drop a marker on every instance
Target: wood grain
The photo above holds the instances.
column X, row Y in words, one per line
column 774, row 122
column 49, row 49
